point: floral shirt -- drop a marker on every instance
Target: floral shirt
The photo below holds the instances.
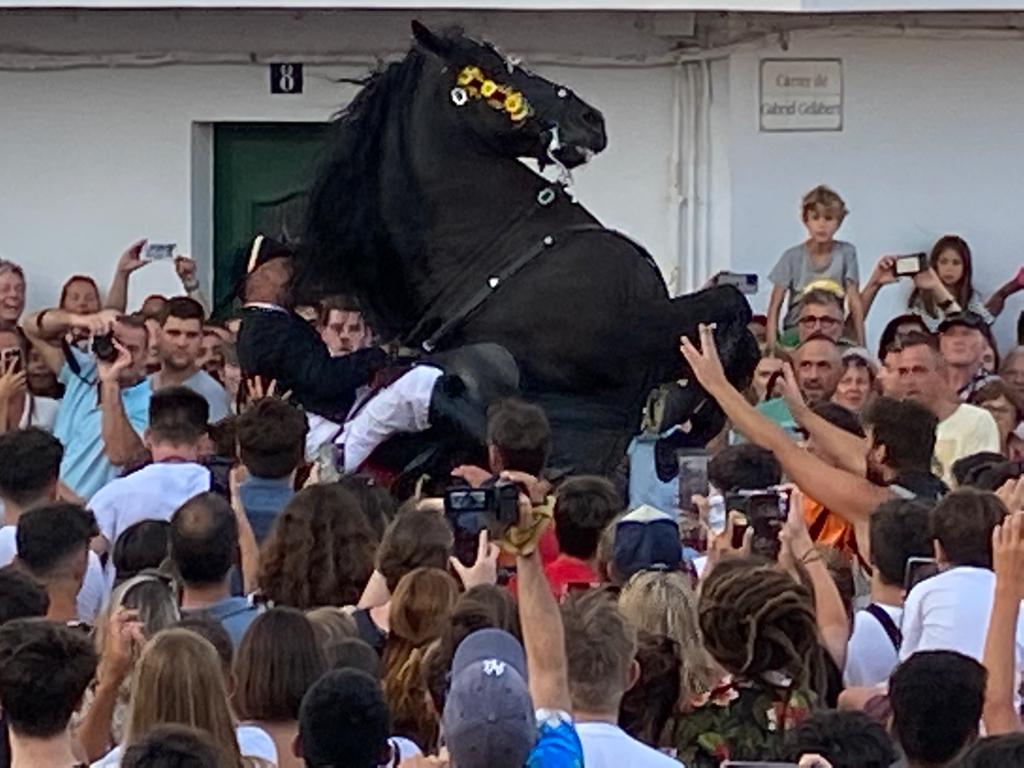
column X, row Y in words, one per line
column 740, row 720
column 558, row 744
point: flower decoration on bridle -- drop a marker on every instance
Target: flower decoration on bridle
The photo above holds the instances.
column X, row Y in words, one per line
column 472, row 83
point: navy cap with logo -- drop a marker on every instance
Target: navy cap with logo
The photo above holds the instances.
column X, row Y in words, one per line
column 488, row 715
column 965, row 319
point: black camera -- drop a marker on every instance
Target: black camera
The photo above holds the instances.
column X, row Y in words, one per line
column 103, row 347
column 766, row 512
column 493, row 507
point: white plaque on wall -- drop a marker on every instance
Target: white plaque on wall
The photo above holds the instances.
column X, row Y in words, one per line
column 801, row 95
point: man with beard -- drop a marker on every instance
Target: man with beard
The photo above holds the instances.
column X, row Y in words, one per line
column 179, row 346
column 897, row 452
column 276, row 344
column 818, row 364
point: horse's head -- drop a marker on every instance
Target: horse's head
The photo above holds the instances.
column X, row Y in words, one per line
column 509, row 109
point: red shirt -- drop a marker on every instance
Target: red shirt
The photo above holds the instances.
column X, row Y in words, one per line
column 566, row 573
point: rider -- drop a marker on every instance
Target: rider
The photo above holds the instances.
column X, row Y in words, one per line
column 275, row 343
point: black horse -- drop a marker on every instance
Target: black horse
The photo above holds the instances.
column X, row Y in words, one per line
column 426, row 213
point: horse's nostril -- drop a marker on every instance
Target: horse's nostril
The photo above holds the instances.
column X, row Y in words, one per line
column 593, row 118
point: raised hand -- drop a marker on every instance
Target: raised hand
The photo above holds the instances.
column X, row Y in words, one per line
column 704, row 362
column 131, row 259
column 12, row 382
column 1008, row 553
column 187, row 271
column 111, row 371
column 484, row 569
column 96, row 324
column 884, row 272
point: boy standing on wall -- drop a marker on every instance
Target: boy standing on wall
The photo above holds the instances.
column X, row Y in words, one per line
column 820, row 262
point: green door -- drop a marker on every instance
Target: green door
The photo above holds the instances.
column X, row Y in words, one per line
column 261, row 177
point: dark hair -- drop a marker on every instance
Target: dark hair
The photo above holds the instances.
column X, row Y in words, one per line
column 648, row 705
column 963, row 522
column 917, row 339
column 892, row 331
column 967, row 468
column 992, row 477
column 906, row 429
column 936, row 699
column 583, row 507
column 319, row 552
column 962, row 290
column 213, row 631
column 744, row 467
column 78, row 279
column 521, row 434
column 278, row 660
column 178, row 415
column 172, row 746
column 755, row 619
column 344, row 721
column 44, row 671
column 838, row 416
column 29, row 464
column 995, row 752
column 47, row 536
column 898, row 531
column 374, row 499
column 339, row 302
column 182, row 308
column 271, row 438
column 204, row 539
column 482, row 607
column 353, row 653
column 845, row 739
column 415, row 538
column 143, row 545
column 21, row 597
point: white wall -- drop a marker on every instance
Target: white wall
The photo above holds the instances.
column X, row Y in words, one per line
column 931, row 140
column 94, row 158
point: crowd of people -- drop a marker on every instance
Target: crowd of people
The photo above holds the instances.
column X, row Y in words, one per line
column 199, row 569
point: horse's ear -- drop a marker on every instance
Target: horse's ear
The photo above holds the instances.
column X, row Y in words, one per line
column 439, row 46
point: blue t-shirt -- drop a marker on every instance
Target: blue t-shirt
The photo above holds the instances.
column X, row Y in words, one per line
column 85, row 468
column 263, row 501
column 558, row 744
column 234, row 613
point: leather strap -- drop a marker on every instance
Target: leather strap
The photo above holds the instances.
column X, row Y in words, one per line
column 883, row 618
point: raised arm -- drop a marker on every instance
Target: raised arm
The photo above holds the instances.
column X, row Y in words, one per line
column 880, row 276
column 997, row 301
column 188, row 273
column 50, row 325
column 121, row 443
column 117, row 295
column 846, row 494
column 846, row 448
column 857, row 313
column 1000, row 715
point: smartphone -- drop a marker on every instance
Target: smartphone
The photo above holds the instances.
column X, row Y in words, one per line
column 918, row 569
column 10, row 359
column 910, row 264
column 693, row 476
column 746, row 282
column 158, row 251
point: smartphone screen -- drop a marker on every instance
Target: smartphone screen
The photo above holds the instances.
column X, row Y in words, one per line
column 766, row 513
column 693, row 476
column 910, row 265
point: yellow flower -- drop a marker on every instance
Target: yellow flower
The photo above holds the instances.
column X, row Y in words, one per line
column 522, row 114
column 488, row 89
column 513, row 102
column 469, row 74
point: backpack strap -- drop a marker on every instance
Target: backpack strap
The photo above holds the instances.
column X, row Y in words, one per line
column 883, row 618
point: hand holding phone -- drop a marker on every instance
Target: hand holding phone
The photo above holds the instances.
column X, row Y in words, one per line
column 910, row 264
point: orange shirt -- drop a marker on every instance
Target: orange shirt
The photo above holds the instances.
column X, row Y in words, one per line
column 829, row 528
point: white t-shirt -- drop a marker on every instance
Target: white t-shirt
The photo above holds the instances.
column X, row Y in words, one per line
column 252, row 742
column 950, row 612
column 39, row 412
column 870, row 655
column 608, row 746
column 152, row 493
column 93, row 593
column 968, row 430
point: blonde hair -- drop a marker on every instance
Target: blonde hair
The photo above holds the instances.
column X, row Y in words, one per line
column 178, row 680
column 152, row 595
column 823, row 197
column 421, row 608
column 664, row 603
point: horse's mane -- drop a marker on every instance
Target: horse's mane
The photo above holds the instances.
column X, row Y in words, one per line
column 346, row 247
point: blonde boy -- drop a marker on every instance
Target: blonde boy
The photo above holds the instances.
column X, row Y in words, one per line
column 820, row 262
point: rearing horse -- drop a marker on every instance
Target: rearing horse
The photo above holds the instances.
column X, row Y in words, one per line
column 426, row 213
